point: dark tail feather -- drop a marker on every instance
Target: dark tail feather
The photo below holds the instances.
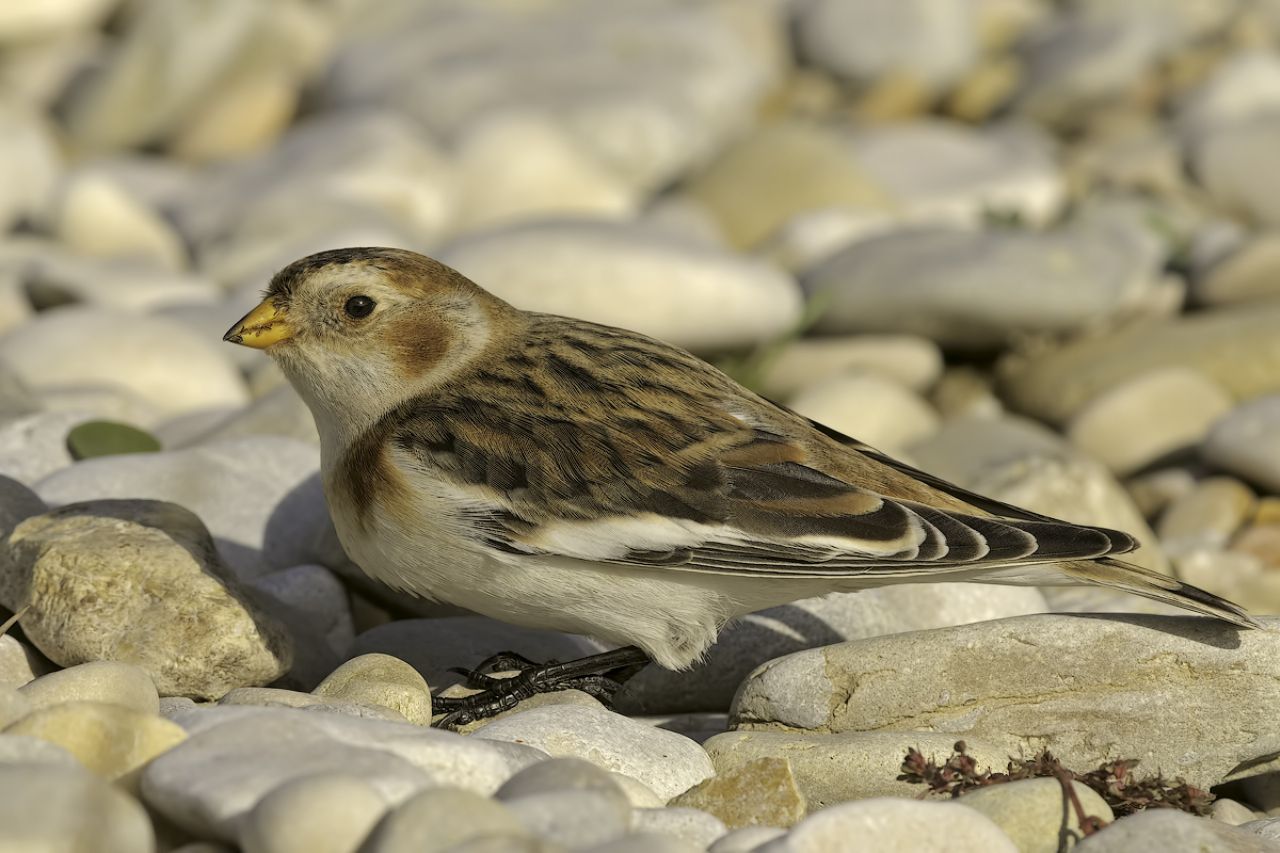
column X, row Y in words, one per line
column 1118, row 574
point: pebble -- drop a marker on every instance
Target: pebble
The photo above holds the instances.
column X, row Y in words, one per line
column 13, row 706
column 873, row 409
column 1227, row 161
column 750, row 640
column 22, row 749
column 630, row 276
column 1160, row 830
column 892, row 824
column 17, row 504
column 57, row 807
column 236, row 755
column 139, row 582
column 1206, row 517
column 381, row 680
column 758, row 792
column 432, row 646
column 647, row 842
column 440, row 819
column 780, row 172
column 666, row 762
column 1240, row 88
column 19, row 663
column 1231, row 812
column 31, row 165
column 968, row 290
column 104, row 681
column 281, row 698
column 935, row 41
column 911, row 361
column 111, row 740
column 153, row 357
column 940, row 172
column 1155, row 491
column 1148, row 417
column 96, row 216
column 33, row 447
column 323, row 813
column 746, row 839
column 1246, row 443
column 1201, row 691
column 687, row 824
column 1235, row 347
column 561, row 774
column 573, row 818
column 1248, row 274
column 260, row 497
column 315, row 608
column 1035, row 813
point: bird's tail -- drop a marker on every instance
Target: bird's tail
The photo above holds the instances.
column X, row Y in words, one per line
column 1117, row 574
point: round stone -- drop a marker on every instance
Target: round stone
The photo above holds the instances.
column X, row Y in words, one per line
column 326, row 813
column 382, row 680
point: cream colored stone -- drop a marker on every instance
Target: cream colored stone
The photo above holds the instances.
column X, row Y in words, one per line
column 111, row 740
column 313, row 814
column 103, row 681
column 911, row 361
column 96, row 216
column 869, row 408
column 383, row 680
column 1207, row 516
column 139, row 582
column 1035, row 812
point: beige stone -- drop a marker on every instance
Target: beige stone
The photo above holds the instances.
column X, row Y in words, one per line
column 313, row 814
column 1148, row 417
column 760, row 792
column 48, row 807
column 1035, row 813
column 1207, row 516
column 139, row 582
column 105, row 681
column 113, row 741
column 1185, row 695
column 870, row 408
column 911, row 361
column 382, row 680
column 1248, row 274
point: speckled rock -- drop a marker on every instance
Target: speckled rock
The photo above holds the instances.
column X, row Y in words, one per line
column 139, row 582
column 1200, row 669
column 665, row 761
column 758, row 792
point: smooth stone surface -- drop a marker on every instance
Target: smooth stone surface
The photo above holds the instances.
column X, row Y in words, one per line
column 780, row 171
column 1227, row 162
column 688, row 824
column 560, row 774
column 17, row 504
column 105, row 681
column 750, row 640
column 1191, row 705
column 22, row 749
column 431, row 646
column 969, row 289
column 155, row 358
column 439, row 819
column 1250, row 273
column 870, row 762
column 1148, row 417
column 97, row 216
column 139, row 582
column 13, row 706
column 327, row 813
column 630, row 276
column 1206, row 517
column 236, row 755
column 315, row 608
column 758, row 792
column 911, row 361
column 33, row 447
column 52, row 807
column 935, row 41
column 1247, row 443
column 1034, row 812
column 259, row 496
column 113, row 741
column 1162, row 830
column 876, row 410
column 746, row 839
column 382, row 680
column 1243, row 86
column 1231, row 812
column 30, row 164
column 892, row 824
column 647, row 842
column 1235, row 347
column 19, row 663
column 666, row 762
column 574, row 819
column 279, row 697
column 950, row 173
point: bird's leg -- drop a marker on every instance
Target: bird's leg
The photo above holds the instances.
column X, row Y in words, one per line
column 597, row 675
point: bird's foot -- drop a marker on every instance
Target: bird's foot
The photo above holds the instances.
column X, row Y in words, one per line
column 597, row 675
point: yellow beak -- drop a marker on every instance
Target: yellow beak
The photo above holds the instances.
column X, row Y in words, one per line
column 261, row 327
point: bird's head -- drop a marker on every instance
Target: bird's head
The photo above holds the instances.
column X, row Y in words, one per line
column 357, row 331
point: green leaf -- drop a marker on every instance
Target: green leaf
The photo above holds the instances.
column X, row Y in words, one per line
column 108, row 438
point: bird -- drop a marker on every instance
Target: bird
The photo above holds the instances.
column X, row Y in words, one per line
column 556, row 473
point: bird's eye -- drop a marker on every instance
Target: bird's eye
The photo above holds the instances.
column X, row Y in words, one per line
column 359, row 306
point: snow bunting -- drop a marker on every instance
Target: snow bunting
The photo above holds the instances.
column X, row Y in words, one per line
column 560, row 474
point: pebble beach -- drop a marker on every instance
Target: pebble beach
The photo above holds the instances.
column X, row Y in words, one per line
column 1031, row 247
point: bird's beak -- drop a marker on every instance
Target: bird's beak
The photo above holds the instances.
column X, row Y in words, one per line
column 261, row 327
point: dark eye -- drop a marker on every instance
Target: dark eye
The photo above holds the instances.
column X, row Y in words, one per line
column 359, row 306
